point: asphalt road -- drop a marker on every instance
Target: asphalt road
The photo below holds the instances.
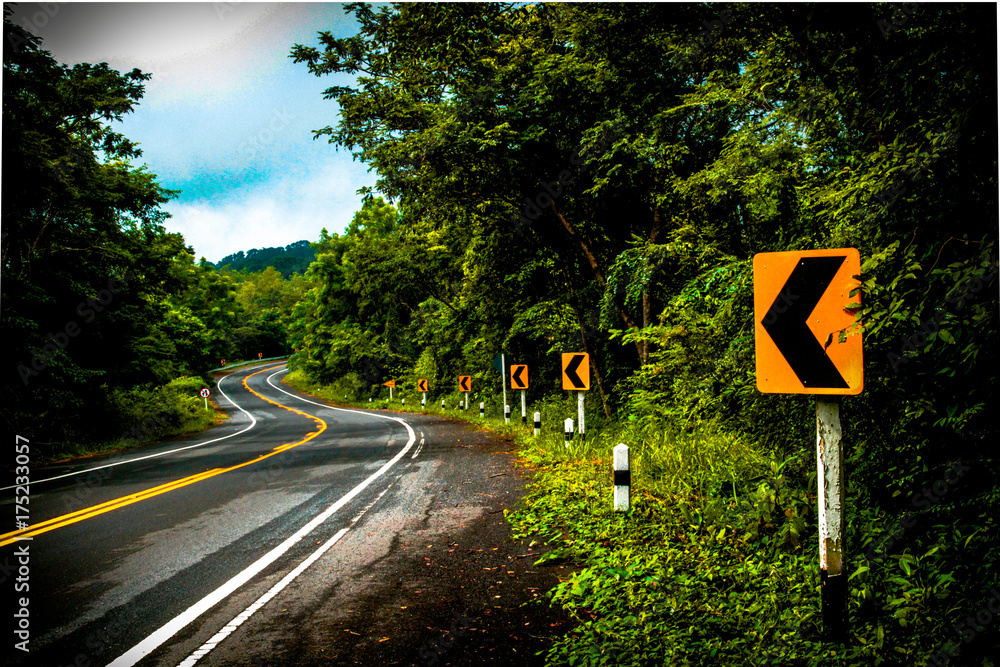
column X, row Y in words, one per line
column 295, row 533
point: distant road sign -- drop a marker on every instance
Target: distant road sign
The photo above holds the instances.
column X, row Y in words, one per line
column 802, row 311
column 421, row 385
column 519, row 376
column 390, row 383
column 260, row 355
column 499, row 361
column 464, row 383
column 204, row 393
column 576, row 371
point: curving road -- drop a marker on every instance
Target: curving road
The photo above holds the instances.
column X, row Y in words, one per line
column 190, row 551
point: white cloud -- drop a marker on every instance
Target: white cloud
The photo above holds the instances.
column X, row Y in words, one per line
column 294, row 207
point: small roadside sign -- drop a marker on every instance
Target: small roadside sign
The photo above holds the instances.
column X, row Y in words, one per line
column 518, row 376
column 205, row 392
column 576, row 371
column 465, row 383
column 499, row 361
column 390, row 384
column 421, row 385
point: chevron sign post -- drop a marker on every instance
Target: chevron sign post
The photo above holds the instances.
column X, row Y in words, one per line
column 576, row 376
column 465, row 384
column 519, row 380
column 808, row 341
column 422, row 388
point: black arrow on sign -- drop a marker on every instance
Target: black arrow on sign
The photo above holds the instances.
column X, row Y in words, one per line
column 422, row 385
column 464, row 383
column 518, row 382
column 570, row 371
column 786, row 319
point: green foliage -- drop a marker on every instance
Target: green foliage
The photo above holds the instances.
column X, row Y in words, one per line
column 715, row 561
column 293, row 258
column 599, row 177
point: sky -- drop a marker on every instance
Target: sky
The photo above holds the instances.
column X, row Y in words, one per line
column 227, row 118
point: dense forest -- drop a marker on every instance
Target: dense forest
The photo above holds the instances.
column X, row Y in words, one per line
column 293, row 258
column 591, row 177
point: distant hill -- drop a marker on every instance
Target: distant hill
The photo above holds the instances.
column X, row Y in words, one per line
column 293, row 258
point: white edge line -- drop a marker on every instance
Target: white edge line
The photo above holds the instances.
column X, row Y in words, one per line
column 253, row 422
column 261, row 601
column 172, row 627
column 230, row 627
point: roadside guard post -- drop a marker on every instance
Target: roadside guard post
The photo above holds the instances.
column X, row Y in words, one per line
column 622, row 477
column 808, row 341
column 568, row 425
column 538, row 423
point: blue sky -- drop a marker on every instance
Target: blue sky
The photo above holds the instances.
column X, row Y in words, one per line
column 227, row 116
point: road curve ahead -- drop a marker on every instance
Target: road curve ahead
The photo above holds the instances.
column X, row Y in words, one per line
column 157, row 556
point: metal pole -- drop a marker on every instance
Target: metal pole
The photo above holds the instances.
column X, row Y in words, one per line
column 830, row 480
column 503, row 376
column 524, row 408
column 466, row 406
column 579, row 409
column 423, row 401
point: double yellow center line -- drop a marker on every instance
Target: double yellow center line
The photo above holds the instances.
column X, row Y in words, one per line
column 117, row 503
